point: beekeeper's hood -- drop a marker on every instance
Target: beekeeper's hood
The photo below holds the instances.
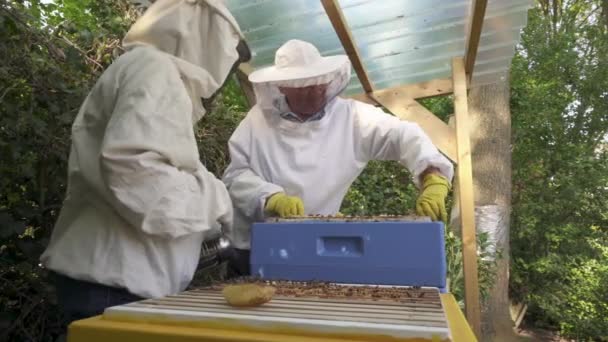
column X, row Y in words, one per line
column 298, row 64
column 202, row 37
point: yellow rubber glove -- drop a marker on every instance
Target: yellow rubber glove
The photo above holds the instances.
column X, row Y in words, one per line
column 285, row 206
column 431, row 201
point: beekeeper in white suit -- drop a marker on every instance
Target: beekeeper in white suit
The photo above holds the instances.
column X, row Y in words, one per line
column 300, row 148
column 139, row 202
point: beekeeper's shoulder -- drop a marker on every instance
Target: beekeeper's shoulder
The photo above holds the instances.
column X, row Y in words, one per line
column 355, row 107
column 145, row 60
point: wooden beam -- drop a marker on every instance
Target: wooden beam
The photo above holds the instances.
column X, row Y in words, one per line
column 467, row 203
column 410, row 110
column 246, row 86
column 242, row 75
column 436, row 87
column 362, row 97
column 246, row 68
column 478, row 12
column 334, row 12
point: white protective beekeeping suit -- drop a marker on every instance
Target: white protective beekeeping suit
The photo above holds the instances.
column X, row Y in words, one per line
column 139, row 201
column 316, row 160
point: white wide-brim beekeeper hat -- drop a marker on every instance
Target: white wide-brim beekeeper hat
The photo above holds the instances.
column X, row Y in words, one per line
column 299, row 60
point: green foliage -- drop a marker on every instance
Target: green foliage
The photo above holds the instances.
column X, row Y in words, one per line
column 575, row 298
column 559, row 108
column 486, row 265
column 382, row 188
column 215, row 129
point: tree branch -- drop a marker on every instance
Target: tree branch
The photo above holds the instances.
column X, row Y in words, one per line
column 84, row 54
column 584, row 21
column 57, row 53
column 554, row 16
column 19, row 319
column 6, row 91
column 605, row 12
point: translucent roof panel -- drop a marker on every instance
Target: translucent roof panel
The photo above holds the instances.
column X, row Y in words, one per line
column 400, row 42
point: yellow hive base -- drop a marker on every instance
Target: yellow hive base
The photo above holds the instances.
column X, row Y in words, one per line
column 97, row 329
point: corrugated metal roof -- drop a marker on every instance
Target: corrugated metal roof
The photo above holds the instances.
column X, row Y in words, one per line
column 400, row 41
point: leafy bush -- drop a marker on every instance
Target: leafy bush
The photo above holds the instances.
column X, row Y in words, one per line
column 576, row 292
column 486, row 265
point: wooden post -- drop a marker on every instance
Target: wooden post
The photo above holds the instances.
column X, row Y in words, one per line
column 242, row 76
column 246, row 87
column 467, row 203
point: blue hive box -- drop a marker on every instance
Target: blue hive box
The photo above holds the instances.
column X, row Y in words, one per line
column 382, row 253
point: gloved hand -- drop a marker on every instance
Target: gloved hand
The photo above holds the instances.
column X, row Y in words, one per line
column 284, row 205
column 431, row 201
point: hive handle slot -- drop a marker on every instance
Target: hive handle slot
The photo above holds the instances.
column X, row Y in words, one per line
column 340, row 246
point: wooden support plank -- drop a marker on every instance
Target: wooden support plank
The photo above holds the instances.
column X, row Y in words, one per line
column 409, row 109
column 334, row 12
column 242, row 75
column 478, row 12
column 467, row 203
column 246, row 68
column 436, row 87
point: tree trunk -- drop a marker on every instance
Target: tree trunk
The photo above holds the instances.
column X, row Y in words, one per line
column 605, row 12
column 490, row 129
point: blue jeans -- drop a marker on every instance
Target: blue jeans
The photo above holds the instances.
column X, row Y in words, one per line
column 80, row 299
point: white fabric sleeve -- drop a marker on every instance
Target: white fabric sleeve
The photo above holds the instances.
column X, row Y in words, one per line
column 384, row 137
column 149, row 158
column 247, row 189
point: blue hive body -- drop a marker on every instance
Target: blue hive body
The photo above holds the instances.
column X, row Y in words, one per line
column 383, row 253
